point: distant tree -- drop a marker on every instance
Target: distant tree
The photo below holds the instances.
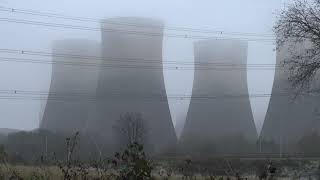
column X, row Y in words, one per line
column 300, row 22
column 34, row 145
column 2, row 138
column 235, row 144
column 197, row 145
column 29, row 146
column 268, row 146
column 309, row 144
column 3, row 154
column 131, row 128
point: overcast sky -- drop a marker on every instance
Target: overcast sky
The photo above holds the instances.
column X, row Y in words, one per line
column 254, row 16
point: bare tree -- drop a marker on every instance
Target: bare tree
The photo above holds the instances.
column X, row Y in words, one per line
column 131, row 128
column 300, row 22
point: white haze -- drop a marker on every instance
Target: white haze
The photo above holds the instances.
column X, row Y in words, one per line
column 256, row 16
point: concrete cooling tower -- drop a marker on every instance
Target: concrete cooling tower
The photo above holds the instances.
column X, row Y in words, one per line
column 289, row 117
column 131, row 86
column 71, row 87
column 225, row 124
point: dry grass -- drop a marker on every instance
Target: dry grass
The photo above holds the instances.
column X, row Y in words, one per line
column 54, row 173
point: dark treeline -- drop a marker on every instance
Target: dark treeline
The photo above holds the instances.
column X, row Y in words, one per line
column 33, row 146
column 30, row 147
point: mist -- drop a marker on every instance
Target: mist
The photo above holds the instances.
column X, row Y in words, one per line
column 248, row 16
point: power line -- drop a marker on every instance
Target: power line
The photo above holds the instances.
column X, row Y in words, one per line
column 103, row 65
column 85, row 19
column 120, row 60
column 113, row 92
column 164, row 99
column 80, row 96
column 131, row 32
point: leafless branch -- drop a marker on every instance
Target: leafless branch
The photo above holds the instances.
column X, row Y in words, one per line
column 296, row 24
column 131, row 127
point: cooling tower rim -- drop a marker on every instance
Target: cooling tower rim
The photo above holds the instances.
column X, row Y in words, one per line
column 207, row 41
column 73, row 41
column 75, row 47
column 136, row 21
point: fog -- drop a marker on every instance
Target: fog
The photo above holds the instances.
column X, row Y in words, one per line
column 247, row 16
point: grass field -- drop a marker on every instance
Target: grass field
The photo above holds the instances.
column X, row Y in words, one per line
column 21, row 172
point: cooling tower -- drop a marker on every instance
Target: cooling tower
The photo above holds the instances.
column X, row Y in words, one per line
column 217, row 121
column 131, row 85
column 289, row 117
column 72, row 86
